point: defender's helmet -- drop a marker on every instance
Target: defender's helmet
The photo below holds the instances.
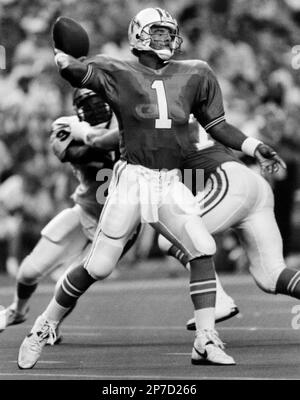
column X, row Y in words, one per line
column 139, row 32
column 91, row 107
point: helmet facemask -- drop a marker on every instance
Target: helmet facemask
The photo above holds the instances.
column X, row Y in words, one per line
column 144, row 33
column 90, row 107
column 162, row 40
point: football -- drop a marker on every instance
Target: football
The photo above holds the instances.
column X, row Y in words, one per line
column 70, row 37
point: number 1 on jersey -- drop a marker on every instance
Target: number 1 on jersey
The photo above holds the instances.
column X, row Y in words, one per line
column 163, row 122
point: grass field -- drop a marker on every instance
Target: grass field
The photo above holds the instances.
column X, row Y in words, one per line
column 135, row 329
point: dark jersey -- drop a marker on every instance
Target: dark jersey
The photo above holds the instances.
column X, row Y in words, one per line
column 153, row 106
column 85, row 193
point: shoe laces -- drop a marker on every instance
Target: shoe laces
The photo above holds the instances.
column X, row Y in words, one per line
column 211, row 336
column 46, row 331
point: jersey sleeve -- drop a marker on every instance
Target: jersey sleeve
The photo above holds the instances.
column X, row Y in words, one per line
column 95, row 79
column 79, row 153
column 93, row 74
column 209, row 109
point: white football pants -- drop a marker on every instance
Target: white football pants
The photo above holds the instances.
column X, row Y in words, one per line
column 138, row 194
column 65, row 240
column 237, row 197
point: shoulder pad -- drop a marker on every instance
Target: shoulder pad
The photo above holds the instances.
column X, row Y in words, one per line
column 108, row 63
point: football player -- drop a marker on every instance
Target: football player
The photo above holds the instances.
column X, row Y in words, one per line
column 66, row 239
column 152, row 97
column 239, row 198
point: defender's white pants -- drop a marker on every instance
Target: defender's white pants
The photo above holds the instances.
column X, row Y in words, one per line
column 65, row 240
column 237, row 197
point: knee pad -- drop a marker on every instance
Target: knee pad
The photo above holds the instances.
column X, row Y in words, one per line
column 104, row 255
column 266, row 281
column 199, row 241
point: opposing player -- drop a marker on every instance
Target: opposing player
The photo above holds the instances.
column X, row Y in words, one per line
column 152, row 98
column 237, row 197
column 66, row 239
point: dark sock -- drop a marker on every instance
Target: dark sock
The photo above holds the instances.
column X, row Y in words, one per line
column 76, row 282
column 289, row 283
column 177, row 253
column 203, row 282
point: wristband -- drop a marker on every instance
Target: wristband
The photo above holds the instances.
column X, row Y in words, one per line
column 249, row 146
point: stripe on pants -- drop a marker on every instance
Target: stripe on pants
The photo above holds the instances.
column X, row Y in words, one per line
column 220, row 189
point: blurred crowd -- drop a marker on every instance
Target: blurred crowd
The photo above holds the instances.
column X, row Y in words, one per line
column 249, row 44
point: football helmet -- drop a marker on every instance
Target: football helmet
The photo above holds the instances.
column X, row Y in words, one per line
column 91, row 107
column 141, row 38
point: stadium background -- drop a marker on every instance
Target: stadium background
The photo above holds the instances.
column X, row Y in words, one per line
column 248, row 43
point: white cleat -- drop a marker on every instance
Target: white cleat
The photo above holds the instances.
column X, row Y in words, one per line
column 209, row 349
column 32, row 346
column 223, row 311
column 191, row 325
column 9, row 316
column 2, row 319
column 58, row 337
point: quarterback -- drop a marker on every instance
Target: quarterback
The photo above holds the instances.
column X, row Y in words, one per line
column 152, row 98
column 66, row 240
